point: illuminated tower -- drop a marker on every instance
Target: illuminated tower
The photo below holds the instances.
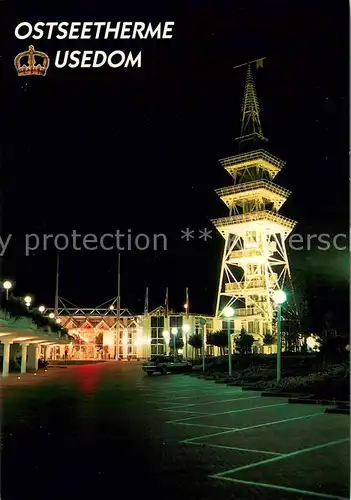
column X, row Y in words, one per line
column 255, row 261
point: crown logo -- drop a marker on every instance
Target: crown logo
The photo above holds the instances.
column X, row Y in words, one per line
column 31, row 68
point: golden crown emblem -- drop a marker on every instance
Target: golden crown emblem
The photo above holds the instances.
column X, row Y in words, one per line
column 31, row 68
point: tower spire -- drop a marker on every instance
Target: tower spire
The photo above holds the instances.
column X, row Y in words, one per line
column 251, row 128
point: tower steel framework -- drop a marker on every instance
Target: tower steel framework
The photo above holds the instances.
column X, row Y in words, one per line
column 255, row 261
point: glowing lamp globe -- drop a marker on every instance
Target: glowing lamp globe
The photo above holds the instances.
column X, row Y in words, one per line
column 174, row 331
column 279, row 296
column 186, row 328
column 51, row 315
column 7, row 285
column 228, row 312
column 41, row 309
column 28, row 299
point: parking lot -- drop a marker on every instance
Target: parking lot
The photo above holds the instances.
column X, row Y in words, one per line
column 292, row 450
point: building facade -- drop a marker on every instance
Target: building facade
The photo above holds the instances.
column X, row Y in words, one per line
column 101, row 334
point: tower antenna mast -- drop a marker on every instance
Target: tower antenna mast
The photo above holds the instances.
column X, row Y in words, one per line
column 251, row 128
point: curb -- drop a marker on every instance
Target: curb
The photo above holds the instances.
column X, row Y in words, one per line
column 283, row 394
column 309, row 401
column 340, row 411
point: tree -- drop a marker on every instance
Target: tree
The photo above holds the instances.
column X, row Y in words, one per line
column 296, row 317
column 269, row 340
column 244, row 342
column 218, row 339
column 195, row 341
column 15, row 308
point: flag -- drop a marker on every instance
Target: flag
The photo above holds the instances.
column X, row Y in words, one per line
column 259, row 63
column 146, row 308
column 166, row 304
column 187, row 302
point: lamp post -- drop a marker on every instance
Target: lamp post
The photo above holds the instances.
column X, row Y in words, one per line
column 28, row 300
column 166, row 336
column 186, row 330
column 7, row 285
column 203, row 323
column 228, row 312
column 174, row 333
column 279, row 297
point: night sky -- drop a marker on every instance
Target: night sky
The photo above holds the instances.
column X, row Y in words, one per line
column 96, row 150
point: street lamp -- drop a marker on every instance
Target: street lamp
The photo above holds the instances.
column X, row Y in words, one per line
column 228, row 312
column 7, row 285
column 166, row 336
column 41, row 309
column 279, row 297
column 51, row 315
column 174, row 333
column 28, row 300
column 203, row 324
column 186, row 330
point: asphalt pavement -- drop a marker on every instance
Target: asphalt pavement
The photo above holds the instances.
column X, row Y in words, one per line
column 107, row 430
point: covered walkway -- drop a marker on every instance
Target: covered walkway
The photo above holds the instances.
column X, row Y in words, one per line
column 21, row 338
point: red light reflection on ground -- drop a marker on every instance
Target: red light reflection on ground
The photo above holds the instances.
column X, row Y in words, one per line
column 87, row 378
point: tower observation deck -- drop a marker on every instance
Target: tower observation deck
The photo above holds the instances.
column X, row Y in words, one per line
column 255, row 261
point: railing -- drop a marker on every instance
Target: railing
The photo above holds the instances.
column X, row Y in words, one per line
column 254, row 216
column 253, row 252
column 257, row 184
column 248, row 311
column 252, row 283
column 252, row 156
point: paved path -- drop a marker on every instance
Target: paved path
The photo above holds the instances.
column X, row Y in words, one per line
column 101, row 430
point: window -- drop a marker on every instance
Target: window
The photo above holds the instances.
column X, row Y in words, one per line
column 176, row 322
column 225, row 326
column 158, row 345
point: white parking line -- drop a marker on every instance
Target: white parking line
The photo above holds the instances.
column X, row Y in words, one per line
column 214, row 402
column 282, row 457
column 181, row 420
column 253, row 427
column 235, row 448
column 192, row 396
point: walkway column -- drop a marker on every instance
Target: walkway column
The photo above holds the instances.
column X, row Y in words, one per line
column 45, row 348
column 6, row 357
column 33, row 354
column 24, row 358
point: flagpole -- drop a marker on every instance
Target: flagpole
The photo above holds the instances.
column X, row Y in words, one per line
column 259, row 63
column 118, row 303
column 57, row 283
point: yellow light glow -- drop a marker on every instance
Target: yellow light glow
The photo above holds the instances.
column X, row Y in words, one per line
column 41, row 309
column 228, row 312
column 174, row 331
column 186, row 328
column 28, row 299
column 7, row 285
column 51, row 315
column 279, row 296
column 58, row 320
